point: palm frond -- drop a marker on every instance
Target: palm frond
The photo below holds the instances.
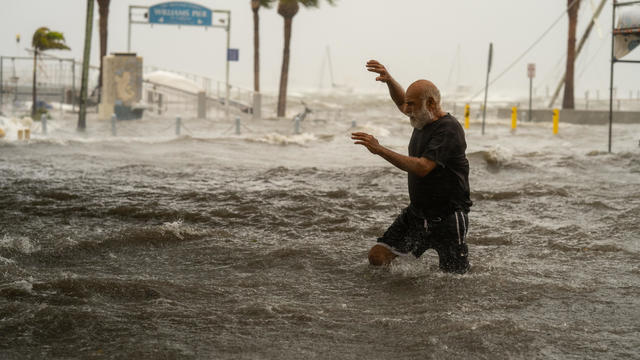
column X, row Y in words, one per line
column 308, row 3
column 45, row 39
column 38, row 36
column 267, row 3
column 313, row 3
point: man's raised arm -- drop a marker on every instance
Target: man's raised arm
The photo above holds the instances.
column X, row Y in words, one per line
column 395, row 89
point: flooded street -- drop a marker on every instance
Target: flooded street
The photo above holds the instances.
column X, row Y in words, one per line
column 213, row 245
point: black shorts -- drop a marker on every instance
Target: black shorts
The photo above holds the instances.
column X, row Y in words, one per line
column 410, row 234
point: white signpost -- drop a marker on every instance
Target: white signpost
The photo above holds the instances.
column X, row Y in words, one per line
column 531, row 73
column 531, row 70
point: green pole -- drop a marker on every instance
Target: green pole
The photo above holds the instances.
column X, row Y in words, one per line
column 486, row 87
column 1, row 80
column 82, row 116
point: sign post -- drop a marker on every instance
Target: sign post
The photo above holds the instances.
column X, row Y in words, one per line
column 531, row 72
column 226, row 85
column 486, row 87
column 232, row 55
column 188, row 14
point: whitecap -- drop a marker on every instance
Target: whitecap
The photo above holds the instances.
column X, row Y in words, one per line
column 6, row 261
column 375, row 130
column 179, row 229
column 19, row 285
column 9, row 127
column 279, row 139
column 498, row 155
column 21, row 243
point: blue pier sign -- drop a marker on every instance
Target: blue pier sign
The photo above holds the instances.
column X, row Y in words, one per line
column 180, row 13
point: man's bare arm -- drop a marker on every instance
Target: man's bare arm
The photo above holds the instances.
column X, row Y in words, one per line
column 395, row 89
column 416, row 165
column 397, row 94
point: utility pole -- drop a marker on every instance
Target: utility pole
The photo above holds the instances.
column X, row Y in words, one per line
column 82, row 116
column 568, row 101
column 583, row 40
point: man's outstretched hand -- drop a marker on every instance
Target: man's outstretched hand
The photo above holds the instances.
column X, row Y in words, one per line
column 376, row 67
column 370, row 142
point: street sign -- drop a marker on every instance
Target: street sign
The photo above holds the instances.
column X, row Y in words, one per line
column 233, row 55
column 531, row 70
column 180, row 13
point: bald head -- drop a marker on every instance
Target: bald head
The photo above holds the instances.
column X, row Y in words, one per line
column 422, row 103
column 425, row 90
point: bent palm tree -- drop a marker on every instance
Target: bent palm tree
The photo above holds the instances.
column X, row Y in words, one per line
column 255, row 7
column 103, row 10
column 288, row 9
column 568, row 99
column 43, row 39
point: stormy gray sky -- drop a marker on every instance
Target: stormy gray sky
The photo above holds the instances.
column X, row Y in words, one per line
column 445, row 41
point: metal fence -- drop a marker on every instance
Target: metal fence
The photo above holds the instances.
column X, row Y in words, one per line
column 57, row 82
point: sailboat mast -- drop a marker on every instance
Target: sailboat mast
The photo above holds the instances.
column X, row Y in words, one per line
column 333, row 84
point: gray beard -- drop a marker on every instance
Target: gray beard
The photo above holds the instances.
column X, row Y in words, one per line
column 421, row 120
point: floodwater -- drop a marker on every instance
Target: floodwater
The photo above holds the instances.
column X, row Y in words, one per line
column 213, row 245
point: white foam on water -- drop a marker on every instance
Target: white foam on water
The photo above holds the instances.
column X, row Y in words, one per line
column 498, row 154
column 19, row 285
column 408, row 266
column 63, row 243
column 280, row 139
column 373, row 129
column 6, row 261
column 10, row 127
column 179, row 229
column 173, row 228
column 21, row 243
column 68, row 275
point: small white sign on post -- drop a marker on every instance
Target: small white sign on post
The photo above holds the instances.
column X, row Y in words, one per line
column 531, row 70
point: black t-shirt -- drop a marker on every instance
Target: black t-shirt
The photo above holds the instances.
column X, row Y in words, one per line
column 446, row 188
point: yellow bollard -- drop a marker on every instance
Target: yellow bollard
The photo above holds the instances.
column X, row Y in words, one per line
column 27, row 134
column 514, row 118
column 2, row 134
column 20, row 134
column 466, row 116
column 556, row 120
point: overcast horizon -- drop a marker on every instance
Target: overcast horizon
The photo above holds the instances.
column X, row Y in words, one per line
column 446, row 42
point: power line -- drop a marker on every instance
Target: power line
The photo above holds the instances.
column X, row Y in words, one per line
column 594, row 56
column 517, row 60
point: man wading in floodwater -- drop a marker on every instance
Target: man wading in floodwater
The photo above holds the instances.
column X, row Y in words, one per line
column 438, row 171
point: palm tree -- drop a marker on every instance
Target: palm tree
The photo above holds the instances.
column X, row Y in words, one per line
column 103, row 10
column 568, row 100
column 255, row 7
column 43, row 39
column 288, row 9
